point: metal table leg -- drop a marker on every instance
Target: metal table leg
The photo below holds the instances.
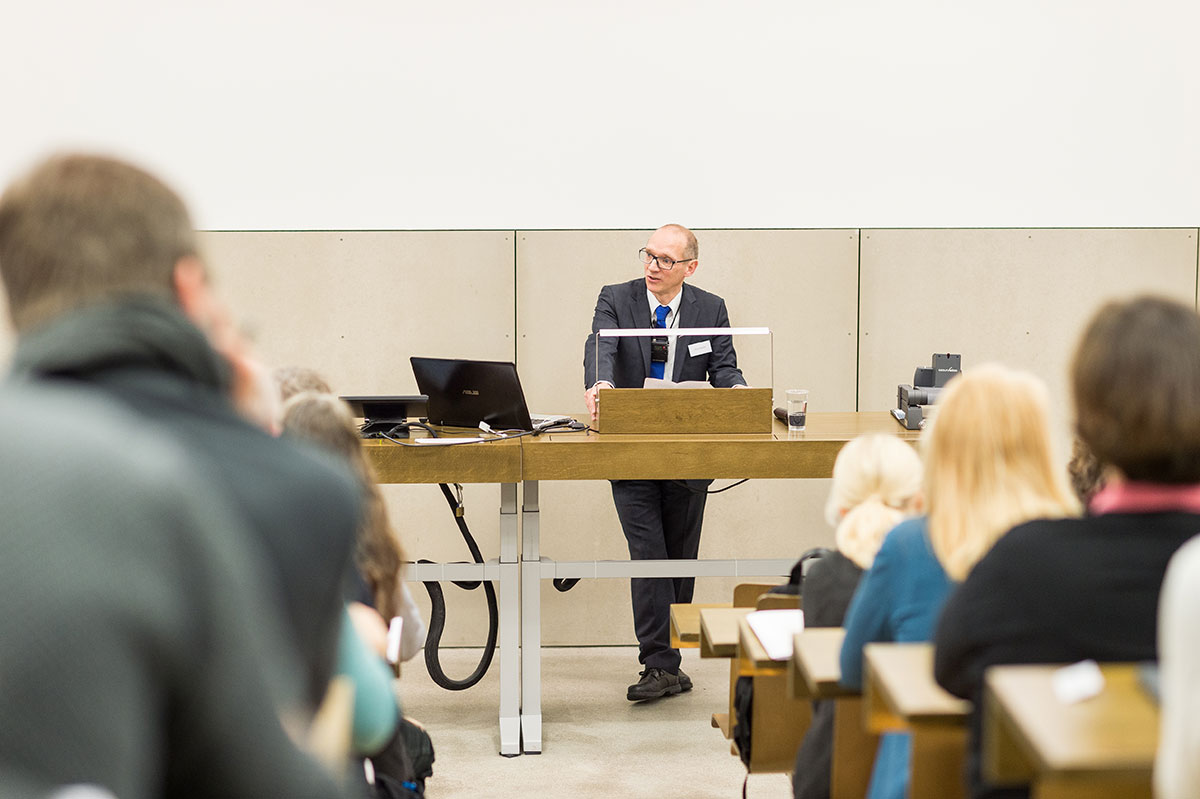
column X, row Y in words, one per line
column 509, row 599
column 531, row 621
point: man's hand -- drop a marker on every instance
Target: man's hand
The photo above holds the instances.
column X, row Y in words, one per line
column 593, row 402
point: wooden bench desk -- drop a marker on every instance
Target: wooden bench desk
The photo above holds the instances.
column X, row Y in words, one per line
column 900, row 695
column 685, row 623
column 778, row 721
column 719, row 631
column 815, row 671
column 815, row 668
column 753, row 659
column 1099, row 748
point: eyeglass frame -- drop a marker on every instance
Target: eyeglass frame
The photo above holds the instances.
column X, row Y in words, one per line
column 643, row 254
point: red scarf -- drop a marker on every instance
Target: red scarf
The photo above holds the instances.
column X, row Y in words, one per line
column 1135, row 497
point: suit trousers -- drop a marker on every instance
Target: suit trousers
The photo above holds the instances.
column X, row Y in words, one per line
column 661, row 520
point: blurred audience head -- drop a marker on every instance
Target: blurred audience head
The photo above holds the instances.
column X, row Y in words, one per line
column 989, row 464
column 1136, row 383
column 326, row 421
column 293, row 380
column 876, row 484
column 79, row 229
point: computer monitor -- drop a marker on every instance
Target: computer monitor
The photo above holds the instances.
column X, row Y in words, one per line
column 463, row 393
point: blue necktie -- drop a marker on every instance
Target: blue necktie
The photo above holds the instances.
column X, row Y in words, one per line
column 660, row 320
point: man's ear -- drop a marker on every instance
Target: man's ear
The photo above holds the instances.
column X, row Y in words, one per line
column 190, row 280
column 691, row 269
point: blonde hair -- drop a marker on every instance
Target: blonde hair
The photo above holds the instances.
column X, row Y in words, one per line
column 326, row 421
column 876, row 481
column 988, row 464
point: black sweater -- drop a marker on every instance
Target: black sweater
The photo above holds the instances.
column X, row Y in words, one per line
column 827, row 590
column 1057, row 592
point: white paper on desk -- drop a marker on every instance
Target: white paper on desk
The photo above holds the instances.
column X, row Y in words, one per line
column 394, row 634
column 775, row 630
column 442, row 442
column 657, row 382
column 1077, row 682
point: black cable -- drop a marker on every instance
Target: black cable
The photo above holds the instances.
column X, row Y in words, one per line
column 500, row 435
column 705, row 490
column 437, row 599
column 437, row 613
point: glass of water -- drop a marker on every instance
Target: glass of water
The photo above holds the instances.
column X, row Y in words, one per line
column 797, row 409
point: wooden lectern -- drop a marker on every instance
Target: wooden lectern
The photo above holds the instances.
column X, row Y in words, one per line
column 707, row 411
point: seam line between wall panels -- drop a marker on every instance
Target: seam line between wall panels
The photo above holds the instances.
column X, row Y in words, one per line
column 516, row 303
column 858, row 324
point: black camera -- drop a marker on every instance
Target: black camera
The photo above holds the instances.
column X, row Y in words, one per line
column 927, row 384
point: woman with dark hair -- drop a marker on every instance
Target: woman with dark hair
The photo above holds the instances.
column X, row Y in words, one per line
column 1059, row 591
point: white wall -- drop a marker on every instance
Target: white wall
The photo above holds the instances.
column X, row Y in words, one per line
column 624, row 114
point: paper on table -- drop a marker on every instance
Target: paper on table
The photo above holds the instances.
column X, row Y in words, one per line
column 395, row 633
column 1078, row 682
column 658, row 382
column 775, row 629
column 434, row 442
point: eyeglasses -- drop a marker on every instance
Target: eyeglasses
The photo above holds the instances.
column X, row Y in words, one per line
column 664, row 263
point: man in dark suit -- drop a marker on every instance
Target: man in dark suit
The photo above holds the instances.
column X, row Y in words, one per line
column 661, row 518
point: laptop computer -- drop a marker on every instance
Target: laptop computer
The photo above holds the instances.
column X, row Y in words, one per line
column 463, row 393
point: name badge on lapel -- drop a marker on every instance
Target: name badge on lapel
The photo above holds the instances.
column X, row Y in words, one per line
column 699, row 348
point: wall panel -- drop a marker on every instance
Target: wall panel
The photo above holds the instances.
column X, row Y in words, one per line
column 356, row 305
column 1016, row 296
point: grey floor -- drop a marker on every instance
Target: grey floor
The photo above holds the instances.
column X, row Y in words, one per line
column 595, row 743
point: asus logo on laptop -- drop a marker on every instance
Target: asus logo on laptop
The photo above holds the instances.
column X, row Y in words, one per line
column 471, row 392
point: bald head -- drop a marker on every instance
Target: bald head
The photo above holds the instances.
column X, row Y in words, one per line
column 690, row 249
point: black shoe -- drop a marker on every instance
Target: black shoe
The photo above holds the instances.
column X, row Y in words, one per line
column 685, row 682
column 654, row 683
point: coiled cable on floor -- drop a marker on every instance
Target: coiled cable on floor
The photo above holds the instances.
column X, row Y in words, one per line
column 437, row 613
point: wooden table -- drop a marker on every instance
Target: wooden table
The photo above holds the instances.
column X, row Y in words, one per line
column 1098, row 748
column 900, row 695
column 492, row 462
column 685, row 623
column 778, row 720
column 815, row 671
column 719, row 631
column 592, row 456
column 815, row 668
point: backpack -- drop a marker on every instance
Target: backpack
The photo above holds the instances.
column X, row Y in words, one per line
column 796, row 579
column 402, row 766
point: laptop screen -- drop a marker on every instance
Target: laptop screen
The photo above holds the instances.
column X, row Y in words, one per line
column 464, row 393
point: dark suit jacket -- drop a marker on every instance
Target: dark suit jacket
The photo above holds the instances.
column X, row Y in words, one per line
column 625, row 362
